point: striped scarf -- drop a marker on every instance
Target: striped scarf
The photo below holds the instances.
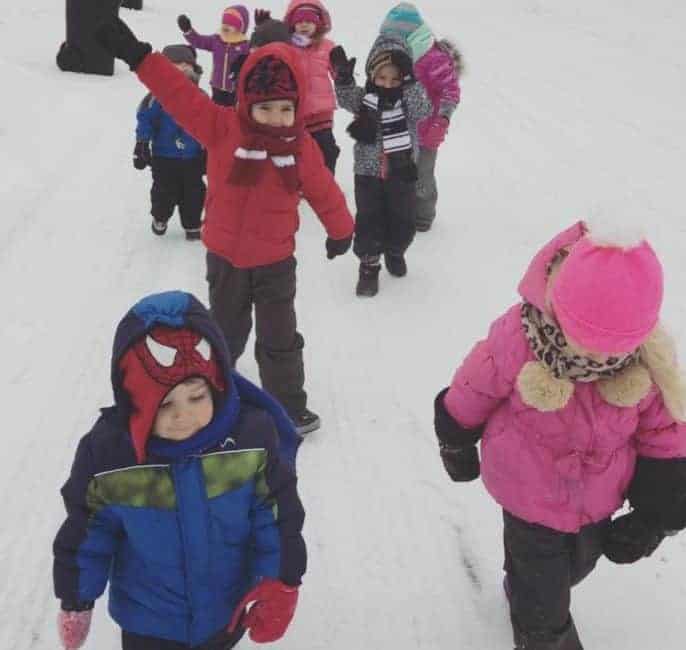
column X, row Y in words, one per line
column 394, row 131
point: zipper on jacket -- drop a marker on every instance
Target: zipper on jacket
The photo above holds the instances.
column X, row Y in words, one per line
column 226, row 58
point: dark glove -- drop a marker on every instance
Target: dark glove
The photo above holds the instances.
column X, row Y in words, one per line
column 630, row 538
column 141, row 155
column 117, row 39
column 344, row 67
column 404, row 64
column 184, row 23
column 461, row 464
column 336, row 247
column 262, row 16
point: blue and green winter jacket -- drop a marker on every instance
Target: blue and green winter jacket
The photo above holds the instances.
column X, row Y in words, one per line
column 183, row 536
column 168, row 139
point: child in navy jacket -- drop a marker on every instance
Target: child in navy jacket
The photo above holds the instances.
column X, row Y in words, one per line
column 177, row 160
column 183, row 495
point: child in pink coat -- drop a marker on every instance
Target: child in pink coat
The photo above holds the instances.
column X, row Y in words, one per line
column 578, row 403
column 437, row 66
column 309, row 23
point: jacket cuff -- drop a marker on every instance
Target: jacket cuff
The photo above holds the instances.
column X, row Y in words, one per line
column 450, row 432
column 76, row 606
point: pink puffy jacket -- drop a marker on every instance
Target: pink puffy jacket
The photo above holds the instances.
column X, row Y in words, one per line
column 437, row 73
column 320, row 101
column 562, row 469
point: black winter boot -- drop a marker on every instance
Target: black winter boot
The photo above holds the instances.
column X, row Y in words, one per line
column 159, row 227
column 193, row 234
column 306, row 422
column 395, row 264
column 368, row 281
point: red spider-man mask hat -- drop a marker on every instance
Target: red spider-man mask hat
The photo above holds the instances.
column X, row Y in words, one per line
column 157, row 363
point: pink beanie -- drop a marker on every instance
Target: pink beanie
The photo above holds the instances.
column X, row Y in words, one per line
column 607, row 298
column 236, row 17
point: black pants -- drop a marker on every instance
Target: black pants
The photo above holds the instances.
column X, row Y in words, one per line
column 221, row 641
column 223, row 97
column 386, row 210
column 178, row 182
column 327, row 143
column 542, row 566
column 278, row 344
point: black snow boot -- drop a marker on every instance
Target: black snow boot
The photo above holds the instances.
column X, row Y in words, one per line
column 193, row 234
column 305, row 422
column 368, row 281
column 159, row 227
column 395, row 264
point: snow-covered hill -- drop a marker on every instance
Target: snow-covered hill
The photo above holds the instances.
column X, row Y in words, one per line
column 569, row 108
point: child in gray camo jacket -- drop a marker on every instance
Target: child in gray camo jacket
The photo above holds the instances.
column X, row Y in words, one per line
column 386, row 111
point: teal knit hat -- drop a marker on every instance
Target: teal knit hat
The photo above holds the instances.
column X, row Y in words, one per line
column 402, row 20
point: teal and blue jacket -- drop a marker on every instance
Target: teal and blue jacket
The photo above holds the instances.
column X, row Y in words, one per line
column 183, row 536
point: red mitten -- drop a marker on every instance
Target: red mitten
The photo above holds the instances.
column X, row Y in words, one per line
column 273, row 605
column 73, row 628
column 435, row 134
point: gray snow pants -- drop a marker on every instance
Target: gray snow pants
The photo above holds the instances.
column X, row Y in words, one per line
column 427, row 192
column 542, row 566
column 278, row 344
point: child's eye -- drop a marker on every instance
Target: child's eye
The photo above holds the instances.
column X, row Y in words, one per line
column 166, row 405
column 198, row 398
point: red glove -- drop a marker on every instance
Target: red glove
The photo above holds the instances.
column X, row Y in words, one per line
column 273, row 606
column 73, row 628
column 435, row 134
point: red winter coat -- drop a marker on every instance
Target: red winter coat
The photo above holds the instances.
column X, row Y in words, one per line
column 248, row 225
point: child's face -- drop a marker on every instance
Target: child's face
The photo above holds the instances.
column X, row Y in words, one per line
column 228, row 30
column 186, row 68
column 305, row 28
column 388, row 77
column 186, row 409
column 276, row 112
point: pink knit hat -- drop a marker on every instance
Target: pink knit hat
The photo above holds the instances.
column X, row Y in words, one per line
column 237, row 17
column 607, row 298
column 305, row 14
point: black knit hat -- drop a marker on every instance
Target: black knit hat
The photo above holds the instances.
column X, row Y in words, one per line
column 182, row 54
column 270, row 31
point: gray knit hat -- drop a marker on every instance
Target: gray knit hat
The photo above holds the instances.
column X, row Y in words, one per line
column 182, row 54
column 270, row 31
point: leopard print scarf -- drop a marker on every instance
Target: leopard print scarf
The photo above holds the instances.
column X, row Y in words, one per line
column 549, row 346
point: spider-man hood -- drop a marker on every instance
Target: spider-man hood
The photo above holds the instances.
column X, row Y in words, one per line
column 166, row 338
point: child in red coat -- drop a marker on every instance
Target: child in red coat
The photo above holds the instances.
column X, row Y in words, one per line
column 261, row 161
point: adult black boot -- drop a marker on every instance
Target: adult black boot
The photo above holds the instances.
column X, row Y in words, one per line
column 395, row 264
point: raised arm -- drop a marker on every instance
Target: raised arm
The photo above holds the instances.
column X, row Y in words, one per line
column 348, row 94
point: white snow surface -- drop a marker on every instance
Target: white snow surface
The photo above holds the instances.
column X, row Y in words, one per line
column 569, row 109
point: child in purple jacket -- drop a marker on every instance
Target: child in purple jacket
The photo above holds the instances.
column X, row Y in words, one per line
column 437, row 66
column 229, row 49
column 578, row 402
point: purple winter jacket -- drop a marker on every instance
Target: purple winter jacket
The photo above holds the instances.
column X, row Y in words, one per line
column 563, row 469
column 223, row 57
column 436, row 71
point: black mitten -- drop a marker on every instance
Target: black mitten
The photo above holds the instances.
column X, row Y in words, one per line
column 461, row 464
column 448, row 431
column 335, row 247
column 630, row 538
column 117, row 39
column 344, row 67
column 262, row 16
column 184, row 23
column 141, row 155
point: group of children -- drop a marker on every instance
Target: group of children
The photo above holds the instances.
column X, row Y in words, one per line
column 401, row 117
column 183, row 495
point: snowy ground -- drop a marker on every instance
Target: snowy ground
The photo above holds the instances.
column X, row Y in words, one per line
column 568, row 108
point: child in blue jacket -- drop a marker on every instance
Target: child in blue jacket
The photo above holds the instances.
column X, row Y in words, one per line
column 177, row 160
column 182, row 496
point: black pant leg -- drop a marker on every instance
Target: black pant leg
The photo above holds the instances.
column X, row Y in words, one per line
column 223, row 97
column 167, row 187
column 221, row 641
column 587, row 550
column 230, row 302
column 278, row 344
column 370, row 230
column 401, row 212
column 327, row 143
column 193, row 194
column 538, row 562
